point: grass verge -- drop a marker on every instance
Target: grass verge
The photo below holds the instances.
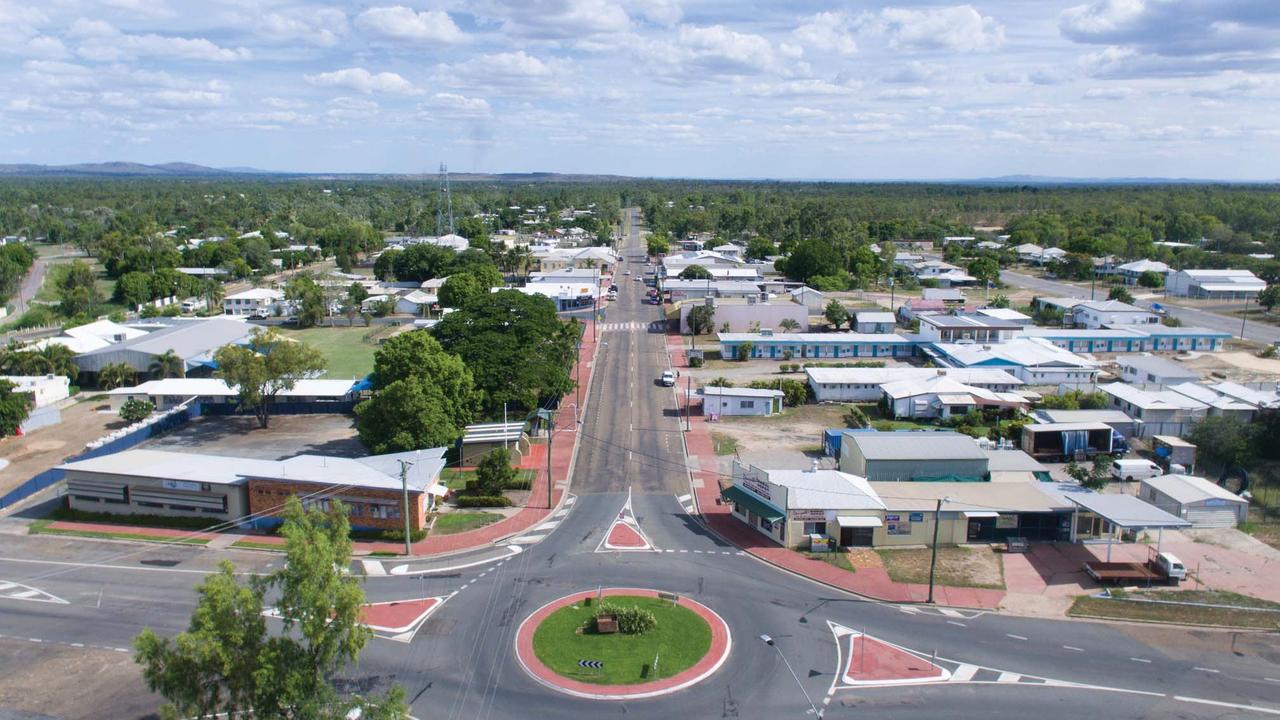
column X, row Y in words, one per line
column 45, row 530
column 1122, row 609
column 724, row 444
column 456, row 522
column 251, row 545
column 680, row 639
column 838, row 559
column 957, row 567
column 456, row 479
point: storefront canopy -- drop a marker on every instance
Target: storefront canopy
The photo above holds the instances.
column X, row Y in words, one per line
column 857, row 521
column 752, row 503
column 981, row 513
column 1126, row 511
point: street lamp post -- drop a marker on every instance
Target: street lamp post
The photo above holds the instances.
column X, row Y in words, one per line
column 404, row 484
column 1244, row 316
column 933, row 557
column 769, row 641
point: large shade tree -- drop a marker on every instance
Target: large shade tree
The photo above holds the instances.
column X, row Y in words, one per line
column 269, row 365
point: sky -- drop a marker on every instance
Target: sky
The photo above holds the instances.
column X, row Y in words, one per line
column 665, row 88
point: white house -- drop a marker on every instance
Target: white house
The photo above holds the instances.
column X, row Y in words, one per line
column 252, row 301
column 944, row 273
column 966, row 328
column 1153, row 370
column 813, row 299
column 1032, row 360
column 1028, row 252
column 717, row 401
column 831, row 384
column 1098, row 313
column 1227, row 284
column 1220, row 405
column 416, row 302
column 1049, row 255
column 1006, row 315
column 943, row 397
column 1162, row 412
column 1133, row 270
column 868, row 321
column 42, row 389
column 729, row 250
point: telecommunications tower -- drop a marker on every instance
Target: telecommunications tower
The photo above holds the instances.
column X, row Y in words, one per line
column 444, row 208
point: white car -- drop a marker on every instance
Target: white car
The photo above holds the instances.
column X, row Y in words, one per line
column 668, row 378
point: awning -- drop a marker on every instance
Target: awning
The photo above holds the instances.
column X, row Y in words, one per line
column 751, row 502
column 858, row 521
column 981, row 514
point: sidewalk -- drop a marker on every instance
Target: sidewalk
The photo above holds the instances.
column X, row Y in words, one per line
column 564, row 446
column 704, row 471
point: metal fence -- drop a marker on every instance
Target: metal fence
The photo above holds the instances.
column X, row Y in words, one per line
column 342, row 407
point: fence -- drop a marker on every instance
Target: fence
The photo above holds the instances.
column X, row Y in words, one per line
column 52, row 476
column 287, row 408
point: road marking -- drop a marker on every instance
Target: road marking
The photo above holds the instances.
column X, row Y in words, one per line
column 957, row 624
column 1205, row 669
column 699, row 552
column 1015, row 637
column 1274, row 680
column 1218, row 703
column 111, row 567
column 526, row 539
column 1141, row 660
column 1072, row 648
column 1008, row 677
column 684, row 551
column 373, row 567
column 964, row 673
column 669, row 550
column 951, row 613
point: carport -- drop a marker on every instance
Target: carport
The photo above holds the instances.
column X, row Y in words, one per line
column 1122, row 511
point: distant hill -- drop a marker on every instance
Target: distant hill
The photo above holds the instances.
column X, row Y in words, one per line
column 120, row 169
column 1052, row 180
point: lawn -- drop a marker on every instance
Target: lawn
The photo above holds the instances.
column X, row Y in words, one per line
column 1264, row 526
column 40, row 527
column 456, row 479
column 1121, row 609
column 724, row 444
column 680, row 639
column 957, row 566
column 347, row 350
column 251, row 545
column 456, row 522
column 838, row 559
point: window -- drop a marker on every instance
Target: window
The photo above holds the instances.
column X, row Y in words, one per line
column 746, row 404
column 818, row 528
column 384, row 512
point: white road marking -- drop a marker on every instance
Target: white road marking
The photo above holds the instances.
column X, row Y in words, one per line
column 1015, row 637
column 964, row 673
column 684, row 551
column 1205, row 669
column 669, row 550
column 25, row 594
column 957, row 624
column 684, row 499
column 373, row 567
column 1218, row 703
column 951, row 613
column 1072, row 648
column 1008, row 677
column 526, row 539
column 1141, row 660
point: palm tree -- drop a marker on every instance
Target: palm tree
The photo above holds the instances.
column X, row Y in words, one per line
column 114, row 375
column 59, row 360
column 168, row 365
column 789, row 325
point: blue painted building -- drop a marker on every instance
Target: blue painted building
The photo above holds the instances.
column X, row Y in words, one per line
column 804, row 346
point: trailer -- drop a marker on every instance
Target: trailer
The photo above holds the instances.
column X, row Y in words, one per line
column 1067, row 441
column 1160, row 567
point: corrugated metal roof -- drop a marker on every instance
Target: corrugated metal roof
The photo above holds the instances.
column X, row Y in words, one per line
column 915, row 445
column 187, row 340
column 1189, row 489
column 1126, row 511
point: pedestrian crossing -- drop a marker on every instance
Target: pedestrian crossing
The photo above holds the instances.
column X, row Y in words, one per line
column 624, row 326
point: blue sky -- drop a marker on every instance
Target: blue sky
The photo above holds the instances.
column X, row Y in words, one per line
column 693, row 88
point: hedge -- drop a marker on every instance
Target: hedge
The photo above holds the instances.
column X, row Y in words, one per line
column 468, row 501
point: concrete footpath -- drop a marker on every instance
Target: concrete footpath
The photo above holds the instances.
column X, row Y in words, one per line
column 563, row 450
column 875, row 583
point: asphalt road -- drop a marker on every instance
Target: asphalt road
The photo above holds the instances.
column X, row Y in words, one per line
column 460, row 663
column 1255, row 331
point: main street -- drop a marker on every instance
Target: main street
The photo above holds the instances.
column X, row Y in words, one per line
column 459, row 663
column 1255, row 331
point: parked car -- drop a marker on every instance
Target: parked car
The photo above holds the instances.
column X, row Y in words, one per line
column 668, row 378
column 260, row 315
column 1135, row 469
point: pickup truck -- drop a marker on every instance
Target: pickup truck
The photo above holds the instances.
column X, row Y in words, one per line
column 668, row 378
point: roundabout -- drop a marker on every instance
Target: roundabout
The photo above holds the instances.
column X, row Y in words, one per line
column 559, row 645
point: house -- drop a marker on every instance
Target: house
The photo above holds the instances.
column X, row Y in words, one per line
column 1105, row 313
column 416, row 302
column 864, row 384
column 1195, row 500
column 1049, row 255
column 1268, row 399
column 906, row 259
column 1006, row 315
column 991, row 245
column 42, row 390
column 1162, row 412
column 675, row 263
column 1219, row 404
column 235, row 489
column 193, row 341
column 749, row 314
column 718, row 401
column 868, row 321
column 1131, row 271
column 943, row 397
column 946, row 274
column 962, row 239
column 966, row 328
column 1035, row 362
column 912, row 456
column 949, row 296
column 789, row 346
column 916, row 308
column 1146, row 370
column 1063, row 305
column 168, row 393
column 797, row 507
column 1217, row 284
column 252, row 301
column 600, row 258
column 457, row 243
column 1028, row 252
column 810, row 298
column 729, row 250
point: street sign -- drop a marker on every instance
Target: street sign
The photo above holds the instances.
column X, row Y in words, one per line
column 593, row 664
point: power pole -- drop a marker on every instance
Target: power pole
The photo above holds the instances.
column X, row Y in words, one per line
column 688, row 400
column 551, row 433
column 404, row 484
column 933, row 558
column 1244, row 316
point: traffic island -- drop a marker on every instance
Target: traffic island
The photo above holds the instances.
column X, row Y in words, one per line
column 565, row 646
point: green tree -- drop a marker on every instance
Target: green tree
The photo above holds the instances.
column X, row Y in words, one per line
column 836, row 314
column 1269, row 297
column 658, row 244
column 985, row 269
column 518, row 349
column 384, row 266
column 1000, row 301
column 745, row 349
column 1151, row 279
column 407, row 414
column 493, row 473
column 788, row 325
column 308, row 300
column 702, row 319
column 114, row 375
column 417, row 263
column 271, row 365
column 134, row 410
column 759, row 248
column 695, row 272
column 167, row 365
column 458, row 289
column 77, row 290
column 1121, row 293
column 418, row 355
column 14, row 408
column 227, row 662
column 133, row 289
column 1222, row 441
column 810, row 258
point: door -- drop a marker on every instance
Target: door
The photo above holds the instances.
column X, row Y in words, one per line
column 856, row 537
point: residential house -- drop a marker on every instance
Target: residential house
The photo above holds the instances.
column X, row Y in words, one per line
column 1005, row 315
column 416, row 302
column 1107, row 313
column 252, row 301
column 943, row 397
column 1131, row 271
column 1217, row 284
column 1150, row 370
column 814, row 300
column 863, row 385
column 1162, row 412
column 1028, row 252
column 718, row 401
column 872, row 321
column 966, row 328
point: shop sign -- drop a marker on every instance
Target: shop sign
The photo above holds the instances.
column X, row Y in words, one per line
column 809, row 515
column 757, row 487
column 892, row 518
column 916, row 517
column 1007, row 521
column 180, row 485
column 898, row 528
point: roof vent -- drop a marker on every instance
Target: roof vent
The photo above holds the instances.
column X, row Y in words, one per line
column 813, row 466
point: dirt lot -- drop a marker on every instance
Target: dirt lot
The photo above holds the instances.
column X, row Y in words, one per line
column 976, row 566
column 1237, row 366
column 50, row 680
column 50, row 446
column 788, row 439
column 288, row 435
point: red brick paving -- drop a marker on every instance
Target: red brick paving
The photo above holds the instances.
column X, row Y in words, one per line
column 535, row 512
column 397, row 615
column 715, row 657
column 622, row 535
column 873, row 661
column 870, row 582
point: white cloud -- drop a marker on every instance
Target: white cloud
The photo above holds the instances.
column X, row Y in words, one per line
column 1109, row 93
column 325, row 27
column 510, row 66
column 455, row 105
column 662, row 12
column 101, row 41
column 828, row 32
column 960, row 28
column 361, row 80
column 558, row 19
column 715, row 50
column 806, row 113
column 915, row 92
column 811, row 87
column 45, row 46
column 402, row 23
column 912, row 72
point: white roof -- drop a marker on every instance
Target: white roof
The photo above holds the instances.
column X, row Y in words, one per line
column 1152, row 399
column 1211, row 397
column 1025, row 352
column 972, row 497
column 76, row 345
column 166, row 465
column 1141, row 266
column 213, row 387
column 257, row 294
column 1157, row 366
column 104, row 330
column 1189, row 489
column 419, row 297
column 1223, row 275
column 880, row 376
column 739, row 392
column 1126, row 511
column 823, row 338
column 1111, row 306
column 875, row 316
column 1004, row 314
column 825, row 490
column 1026, row 248
column 1261, row 398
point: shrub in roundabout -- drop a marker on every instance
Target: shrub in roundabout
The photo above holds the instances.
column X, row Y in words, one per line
column 631, row 620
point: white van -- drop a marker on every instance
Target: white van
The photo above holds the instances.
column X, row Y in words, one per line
column 1135, row 469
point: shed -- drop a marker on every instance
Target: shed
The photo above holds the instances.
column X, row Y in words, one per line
column 740, row 401
column 1195, row 500
column 912, row 456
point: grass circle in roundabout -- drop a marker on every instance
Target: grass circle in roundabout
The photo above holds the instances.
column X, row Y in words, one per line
column 689, row 640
